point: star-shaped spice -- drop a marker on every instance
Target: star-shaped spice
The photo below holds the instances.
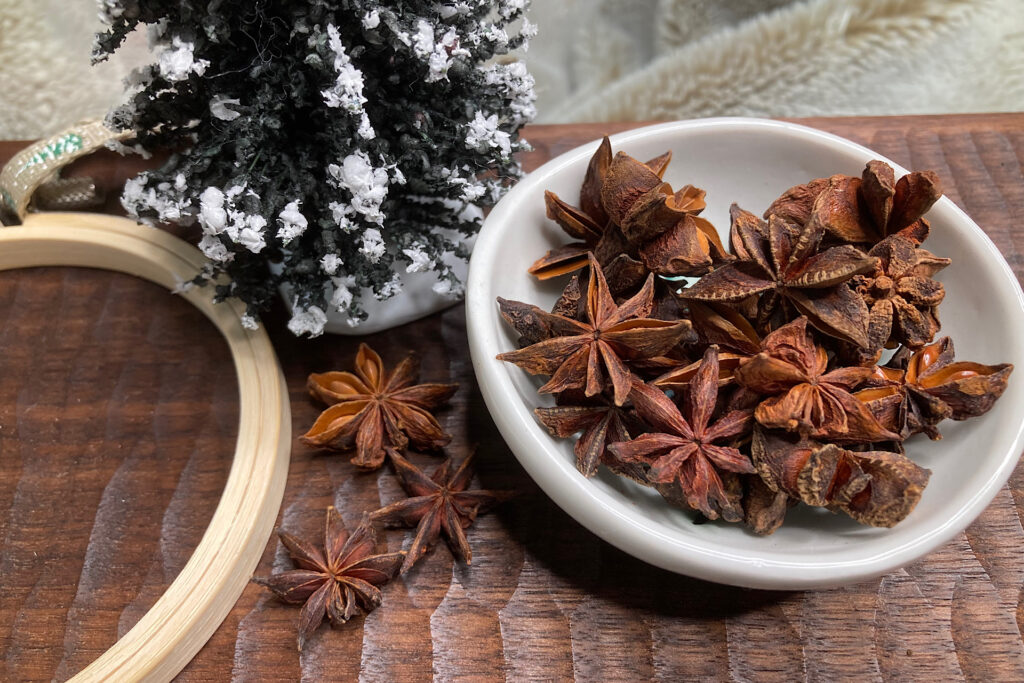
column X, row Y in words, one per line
column 795, row 204
column 764, row 509
column 601, row 423
column 876, row 205
column 633, row 222
column 661, row 227
column 687, row 448
column 781, row 265
column 877, row 488
column 724, row 326
column 373, row 409
column 925, row 387
column 680, row 376
column 438, row 504
column 336, row 580
column 715, row 325
column 588, row 222
column 902, row 298
column 583, row 354
column 802, row 396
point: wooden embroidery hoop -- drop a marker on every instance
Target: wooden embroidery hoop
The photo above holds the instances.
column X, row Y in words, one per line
column 195, row 604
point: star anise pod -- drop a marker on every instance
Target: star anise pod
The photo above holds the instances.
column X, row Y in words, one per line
column 588, row 222
column 531, row 323
column 724, row 326
column 876, row 205
column 781, row 265
column 903, row 299
column 373, row 409
column 764, row 508
column 877, row 488
column 686, row 447
column 572, row 303
column 718, row 325
column 600, row 423
column 610, row 336
column 924, row 387
column 438, row 504
column 336, row 580
column 660, row 226
column 680, row 376
column 802, row 396
column 795, row 204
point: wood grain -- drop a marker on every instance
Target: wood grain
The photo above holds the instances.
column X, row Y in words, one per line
column 117, row 419
column 169, row 634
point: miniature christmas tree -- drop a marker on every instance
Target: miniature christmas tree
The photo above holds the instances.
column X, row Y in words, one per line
column 324, row 145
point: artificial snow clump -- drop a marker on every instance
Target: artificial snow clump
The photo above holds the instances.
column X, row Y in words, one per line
column 293, row 223
column 371, row 19
column 419, row 259
column 214, row 249
column 330, row 263
column 178, row 61
column 341, row 298
column 367, row 185
column 219, row 108
column 484, row 132
column 347, row 90
column 307, row 321
column 373, row 245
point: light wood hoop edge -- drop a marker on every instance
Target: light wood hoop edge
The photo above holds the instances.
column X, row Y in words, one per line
column 195, row 604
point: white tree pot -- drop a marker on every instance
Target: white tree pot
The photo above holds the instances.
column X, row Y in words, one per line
column 416, row 300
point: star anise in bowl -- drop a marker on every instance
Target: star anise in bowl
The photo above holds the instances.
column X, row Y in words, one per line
column 759, row 383
column 633, row 222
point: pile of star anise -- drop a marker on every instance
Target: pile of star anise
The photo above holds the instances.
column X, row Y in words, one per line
column 758, row 385
column 377, row 413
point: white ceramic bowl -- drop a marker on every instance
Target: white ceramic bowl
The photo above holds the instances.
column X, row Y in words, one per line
column 751, row 161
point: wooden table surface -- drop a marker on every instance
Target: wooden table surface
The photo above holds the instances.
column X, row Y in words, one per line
column 118, row 413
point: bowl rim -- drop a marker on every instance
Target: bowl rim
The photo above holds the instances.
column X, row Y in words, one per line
column 578, row 497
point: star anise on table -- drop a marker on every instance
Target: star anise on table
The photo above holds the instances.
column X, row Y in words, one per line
column 781, row 265
column 438, row 504
column 691, row 448
column 373, row 409
column 336, row 580
column 919, row 389
column 800, row 395
column 876, row 205
column 600, row 422
column 583, row 354
column 877, row 488
column 903, row 299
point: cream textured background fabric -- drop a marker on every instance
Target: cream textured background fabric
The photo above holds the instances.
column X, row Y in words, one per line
column 632, row 59
column 46, row 81
column 783, row 58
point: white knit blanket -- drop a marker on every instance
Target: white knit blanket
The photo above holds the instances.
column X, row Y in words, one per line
column 605, row 60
